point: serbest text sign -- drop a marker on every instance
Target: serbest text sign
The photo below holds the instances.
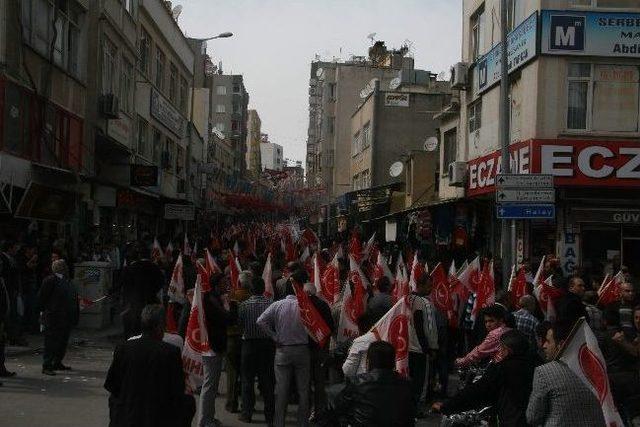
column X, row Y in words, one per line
column 590, row 33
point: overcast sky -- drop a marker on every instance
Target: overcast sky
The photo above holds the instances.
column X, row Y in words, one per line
column 275, row 41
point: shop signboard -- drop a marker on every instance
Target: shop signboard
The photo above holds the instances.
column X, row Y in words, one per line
column 571, row 162
column 396, row 99
column 144, row 176
column 181, row 212
column 590, row 33
column 46, row 203
column 167, row 114
column 521, row 48
column 120, row 130
column 525, row 211
column 605, row 215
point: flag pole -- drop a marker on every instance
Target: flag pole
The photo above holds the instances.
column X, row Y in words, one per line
column 574, row 329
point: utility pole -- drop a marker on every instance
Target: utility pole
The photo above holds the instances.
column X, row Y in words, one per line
column 505, row 238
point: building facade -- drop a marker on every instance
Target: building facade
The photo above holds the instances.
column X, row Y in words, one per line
column 574, row 113
column 254, row 165
column 271, row 155
column 229, row 102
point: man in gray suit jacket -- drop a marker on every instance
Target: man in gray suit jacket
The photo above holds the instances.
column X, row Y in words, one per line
column 559, row 397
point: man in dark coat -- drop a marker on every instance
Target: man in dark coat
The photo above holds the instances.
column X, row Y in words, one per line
column 145, row 379
column 140, row 283
column 58, row 301
column 569, row 308
column 377, row 398
column 505, row 385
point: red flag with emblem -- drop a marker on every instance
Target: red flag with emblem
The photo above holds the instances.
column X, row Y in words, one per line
column 417, row 270
column 330, row 282
column 401, row 281
column 267, row 276
column 313, row 322
column 547, row 294
column 234, row 271
column 517, row 285
column 582, row 355
column 355, row 248
column 441, row 294
column 176, row 285
column 196, row 343
column 156, row 251
column 394, row 328
column 210, row 263
column 610, row 292
column 353, row 303
column 470, row 276
column 485, row 291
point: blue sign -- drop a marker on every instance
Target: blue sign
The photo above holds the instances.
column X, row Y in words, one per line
column 520, row 211
column 590, row 33
column 521, row 48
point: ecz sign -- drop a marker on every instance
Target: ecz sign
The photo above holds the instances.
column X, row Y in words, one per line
column 567, row 33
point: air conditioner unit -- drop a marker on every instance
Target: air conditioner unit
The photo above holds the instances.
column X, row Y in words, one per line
column 109, row 106
column 459, row 76
column 457, row 173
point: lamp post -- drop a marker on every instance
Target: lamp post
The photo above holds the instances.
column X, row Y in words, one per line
column 224, row 35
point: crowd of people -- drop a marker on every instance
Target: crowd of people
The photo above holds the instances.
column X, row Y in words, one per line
column 257, row 330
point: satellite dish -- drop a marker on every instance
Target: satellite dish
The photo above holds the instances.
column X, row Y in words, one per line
column 396, row 169
column 394, row 83
column 431, row 144
column 176, row 11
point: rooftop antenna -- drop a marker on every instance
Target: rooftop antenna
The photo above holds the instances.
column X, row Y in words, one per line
column 176, row 11
column 372, row 37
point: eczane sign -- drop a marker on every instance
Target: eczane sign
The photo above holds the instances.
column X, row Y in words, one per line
column 571, row 162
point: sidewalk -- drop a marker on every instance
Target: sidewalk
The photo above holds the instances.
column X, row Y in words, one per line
column 78, row 337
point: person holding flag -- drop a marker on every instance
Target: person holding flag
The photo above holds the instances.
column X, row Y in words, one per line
column 494, row 322
column 560, row 396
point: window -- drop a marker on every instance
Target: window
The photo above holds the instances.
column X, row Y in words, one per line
column 173, row 83
column 236, row 88
column 126, row 85
column 168, row 155
column 234, row 125
column 355, row 144
column 179, row 160
column 38, row 31
column 183, row 95
column 221, row 90
column 220, row 108
column 145, row 51
column 157, row 146
column 449, row 148
column 331, row 123
column 220, row 127
column 332, row 91
column 477, row 34
column 159, row 69
column 603, row 97
column 475, row 116
column 109, row 64
column 366, row 135
column 236, row 107
column 143, row 138
column 515, row 14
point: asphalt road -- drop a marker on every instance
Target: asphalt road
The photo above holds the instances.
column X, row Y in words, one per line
column 77, row 398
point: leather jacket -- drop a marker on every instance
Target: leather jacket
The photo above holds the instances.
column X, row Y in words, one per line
column 379, row 397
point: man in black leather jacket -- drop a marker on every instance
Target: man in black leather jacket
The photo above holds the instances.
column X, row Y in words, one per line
column 505, row 385
column 378, row 398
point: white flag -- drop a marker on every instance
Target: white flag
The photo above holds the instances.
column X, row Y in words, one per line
column 582, row 354
column 176, row 285
column 267, row 276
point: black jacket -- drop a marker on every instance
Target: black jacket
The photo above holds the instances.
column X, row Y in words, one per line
column 379, row 398
column 140, row 283
column 58, row 302
column 505, row 386
column 569, row 308
column 217, row 320
column 146, row 383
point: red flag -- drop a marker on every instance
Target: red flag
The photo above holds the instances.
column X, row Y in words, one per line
column 368, row 247
column 417, row 270
column 234, row 270
column 470, row 276
column 210, row 263
column 539, row 277
column 610, row 292
column 196, row 343
column 168, row 252
column 330, row 282
column 310, row 238
column 171, row 324
column 267, row 276
column 381, row 269
column 353, row 304
column 156, row 251
column 582, row 355
column 194, row 253
column 204, row 276
column 355, row 248
column 176, row 285
column 394, row 328
column 311, row 319
column 401, row 281
column 486, row 290
column 517, row 285
column 441, row 294
column 547, row 294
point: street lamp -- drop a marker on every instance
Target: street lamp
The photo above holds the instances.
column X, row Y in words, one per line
column 224, row 35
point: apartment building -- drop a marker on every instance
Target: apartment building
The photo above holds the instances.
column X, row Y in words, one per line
column 229, row 102
column 574, row 88
column 271, row 156
column 254, row 134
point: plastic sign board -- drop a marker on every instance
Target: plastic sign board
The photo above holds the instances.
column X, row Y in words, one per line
column 525, row 196
column 526, row 181
column 523, row 211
